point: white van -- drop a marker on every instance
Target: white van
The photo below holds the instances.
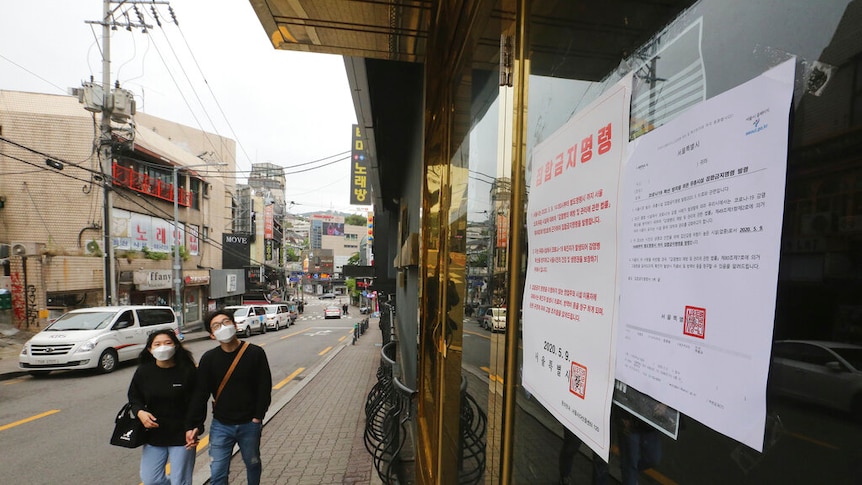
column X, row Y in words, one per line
column 99, row 337
column 497, row 317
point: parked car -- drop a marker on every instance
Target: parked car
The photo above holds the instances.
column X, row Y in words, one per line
column 248, row 318
column 364, row 310
column 277, row 317
column 495, row 319
column 828, row 374
column 327, row 296
column 99, row 337
column 332, row 311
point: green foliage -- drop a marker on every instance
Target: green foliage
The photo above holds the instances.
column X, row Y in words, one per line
column 290, row 255
column 354, row 260
column 478, row 260
column 154, row 255
column 355, row 220
column 352, row 290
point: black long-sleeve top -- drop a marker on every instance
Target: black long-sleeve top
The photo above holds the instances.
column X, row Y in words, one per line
column 166, row 393
column 246, row 395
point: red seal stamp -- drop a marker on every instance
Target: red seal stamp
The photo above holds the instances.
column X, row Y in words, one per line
column 578, row 380
column 695, row 321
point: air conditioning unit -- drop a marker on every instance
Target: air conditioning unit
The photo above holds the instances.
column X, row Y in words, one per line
column 27, row 248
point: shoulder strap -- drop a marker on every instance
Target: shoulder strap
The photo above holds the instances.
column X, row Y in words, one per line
column 230, row 371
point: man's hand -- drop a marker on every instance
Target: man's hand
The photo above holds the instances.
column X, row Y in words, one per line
column 191, row 439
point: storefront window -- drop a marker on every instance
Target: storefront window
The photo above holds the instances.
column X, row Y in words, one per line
column 813, row 396
column 191, row 306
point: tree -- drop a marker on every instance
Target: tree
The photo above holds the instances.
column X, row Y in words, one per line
column 352, row 290
column 291, row 255
column 479, row 260
column 355, row 220
column 354, row 260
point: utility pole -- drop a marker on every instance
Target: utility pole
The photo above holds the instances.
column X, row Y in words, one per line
column 106, row 139
column 106, row 106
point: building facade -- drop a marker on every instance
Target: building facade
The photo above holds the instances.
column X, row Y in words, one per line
column 57, row 257
column 447, row 90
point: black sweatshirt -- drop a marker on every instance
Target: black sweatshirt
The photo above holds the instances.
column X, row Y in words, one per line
column 166, row 393
column 247, row 393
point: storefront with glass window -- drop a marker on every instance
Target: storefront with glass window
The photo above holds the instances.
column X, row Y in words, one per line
column 502, row 100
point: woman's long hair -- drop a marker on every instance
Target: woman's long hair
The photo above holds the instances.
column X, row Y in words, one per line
column 182, row 356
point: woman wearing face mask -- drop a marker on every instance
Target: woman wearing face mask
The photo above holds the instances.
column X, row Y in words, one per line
column 160, row 393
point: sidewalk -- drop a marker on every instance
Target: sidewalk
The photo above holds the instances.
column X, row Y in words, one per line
column 314, row 434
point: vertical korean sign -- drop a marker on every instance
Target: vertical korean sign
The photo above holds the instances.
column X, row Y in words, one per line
column 703, row 205
column 360, row 193
column 570, row 293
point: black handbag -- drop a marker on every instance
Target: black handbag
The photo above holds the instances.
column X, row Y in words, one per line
column 128, row 429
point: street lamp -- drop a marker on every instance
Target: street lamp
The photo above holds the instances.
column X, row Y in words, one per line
column 177, row 273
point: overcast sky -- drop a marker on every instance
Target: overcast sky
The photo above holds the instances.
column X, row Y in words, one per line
column 215, row 71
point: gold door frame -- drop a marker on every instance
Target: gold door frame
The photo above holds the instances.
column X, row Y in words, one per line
column 441, row 271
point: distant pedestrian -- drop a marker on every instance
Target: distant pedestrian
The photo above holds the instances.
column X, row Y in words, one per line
column 161, row 394
column 344, row 308
column 237, row 375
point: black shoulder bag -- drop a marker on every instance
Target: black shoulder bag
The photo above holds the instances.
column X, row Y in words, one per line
column 128, row 429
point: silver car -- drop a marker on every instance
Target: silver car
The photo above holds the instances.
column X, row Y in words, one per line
column 824, row 373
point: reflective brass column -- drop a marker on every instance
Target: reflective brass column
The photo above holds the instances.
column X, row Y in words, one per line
column 517, row 220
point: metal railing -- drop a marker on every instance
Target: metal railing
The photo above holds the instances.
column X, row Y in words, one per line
column 388, row 409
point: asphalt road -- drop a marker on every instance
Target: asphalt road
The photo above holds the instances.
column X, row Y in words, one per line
column 55, row 429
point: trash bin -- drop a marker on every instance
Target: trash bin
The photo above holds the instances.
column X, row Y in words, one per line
column 5, row 299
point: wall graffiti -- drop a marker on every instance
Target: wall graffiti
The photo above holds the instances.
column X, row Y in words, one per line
column 32, row 309
column 19, row 303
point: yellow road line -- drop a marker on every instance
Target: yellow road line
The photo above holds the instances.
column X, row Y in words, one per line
column 655, row 475
column 812, row 440
column 27, row 420
column 13, row 381
column 325, row 350
column 342, row 338
column 292, row 334
column 288, row 378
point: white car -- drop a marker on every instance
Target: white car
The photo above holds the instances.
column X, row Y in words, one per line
column 828, row 374
column 277, row 317
column 249, row 319
column 99, row 337
column 332, row 311
column 495, row 319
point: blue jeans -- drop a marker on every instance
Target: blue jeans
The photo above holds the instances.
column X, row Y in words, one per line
column 222, row 438
column 154, row 458
column 639, row 450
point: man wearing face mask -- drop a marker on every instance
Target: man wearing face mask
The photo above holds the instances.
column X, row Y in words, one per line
column 160, row 393
column 239, row 402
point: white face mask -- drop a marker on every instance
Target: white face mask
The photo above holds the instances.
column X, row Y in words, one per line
column 163, row 352
column 225, row 333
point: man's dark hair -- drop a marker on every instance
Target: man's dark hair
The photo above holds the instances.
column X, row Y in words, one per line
column 211, row 315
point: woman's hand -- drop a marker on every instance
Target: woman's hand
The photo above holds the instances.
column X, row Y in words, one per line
column 148, row 420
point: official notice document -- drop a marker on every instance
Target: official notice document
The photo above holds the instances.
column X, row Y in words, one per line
column 570, row 294
column 703, row 200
